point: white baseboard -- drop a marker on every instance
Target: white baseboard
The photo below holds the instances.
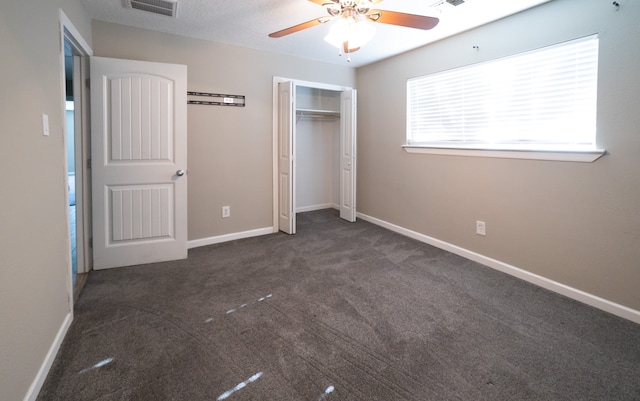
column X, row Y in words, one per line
column 37, row 383
column 316, row 207
column 229, row 237
column 570, row 292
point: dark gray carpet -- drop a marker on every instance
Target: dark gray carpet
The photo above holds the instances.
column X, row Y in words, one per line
column 340, row 311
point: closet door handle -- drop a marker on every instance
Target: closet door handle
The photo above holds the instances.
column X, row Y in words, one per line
column 180, row 173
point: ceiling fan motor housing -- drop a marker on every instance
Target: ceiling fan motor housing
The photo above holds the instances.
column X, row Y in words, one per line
column 348, row 8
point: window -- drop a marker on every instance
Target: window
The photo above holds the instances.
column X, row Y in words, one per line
column 539, row 100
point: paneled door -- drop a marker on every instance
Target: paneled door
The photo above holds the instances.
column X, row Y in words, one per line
column 286, row 161
column 348, row 155
column 139, row 162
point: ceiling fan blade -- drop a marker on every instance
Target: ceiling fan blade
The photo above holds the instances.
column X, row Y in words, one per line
column 299, row 27
column 402, row 19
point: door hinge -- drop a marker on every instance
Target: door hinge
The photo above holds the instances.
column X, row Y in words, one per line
column 88, row 163
column 87, row 83
column 91, row 242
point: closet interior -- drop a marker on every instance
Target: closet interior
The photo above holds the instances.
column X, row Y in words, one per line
column 317, row 149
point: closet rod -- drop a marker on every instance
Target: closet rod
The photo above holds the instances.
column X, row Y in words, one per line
column 317, row 114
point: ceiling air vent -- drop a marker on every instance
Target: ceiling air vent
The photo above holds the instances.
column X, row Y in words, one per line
column 444, row 5
column 162, row 7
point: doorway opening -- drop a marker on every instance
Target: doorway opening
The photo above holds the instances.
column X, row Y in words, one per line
column 314, row 137
column 74, row 57
column 70, row 143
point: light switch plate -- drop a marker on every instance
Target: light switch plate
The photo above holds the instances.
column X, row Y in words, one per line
column 45, row 125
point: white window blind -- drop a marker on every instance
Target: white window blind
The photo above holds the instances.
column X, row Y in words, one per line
column 545, row 98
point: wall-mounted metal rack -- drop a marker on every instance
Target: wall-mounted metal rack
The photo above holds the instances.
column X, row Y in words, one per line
column 220, row 99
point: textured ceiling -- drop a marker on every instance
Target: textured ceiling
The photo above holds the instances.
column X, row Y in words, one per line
column 248, row 22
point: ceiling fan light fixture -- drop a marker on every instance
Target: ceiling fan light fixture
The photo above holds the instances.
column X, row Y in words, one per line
column 351, row 31
column 333, row 9
column 363, row 7
column 361, row 34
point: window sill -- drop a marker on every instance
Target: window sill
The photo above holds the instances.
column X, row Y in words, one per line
column 570, row 155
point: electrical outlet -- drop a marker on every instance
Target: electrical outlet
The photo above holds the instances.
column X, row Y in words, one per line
column 226, row 211
column 481, row 228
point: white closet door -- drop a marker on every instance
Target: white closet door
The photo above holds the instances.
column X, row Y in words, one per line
column 139, row 159
column 286, row 161
column 348, row 155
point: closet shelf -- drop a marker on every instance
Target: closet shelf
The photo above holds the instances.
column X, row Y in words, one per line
column 311, row 113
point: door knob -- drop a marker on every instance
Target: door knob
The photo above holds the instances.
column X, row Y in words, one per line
column 180, row 173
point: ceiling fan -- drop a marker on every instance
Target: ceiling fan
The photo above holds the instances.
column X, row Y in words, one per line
column 349, row 32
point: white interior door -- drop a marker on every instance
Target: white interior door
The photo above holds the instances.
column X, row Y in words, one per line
column 139, row 162
column 348, row 155
column 81, row 106
column 286, row 161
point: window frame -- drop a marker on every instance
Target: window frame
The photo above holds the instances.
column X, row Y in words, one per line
column 514, row 149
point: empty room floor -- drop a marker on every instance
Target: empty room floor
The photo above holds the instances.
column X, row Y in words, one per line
column 339, row 311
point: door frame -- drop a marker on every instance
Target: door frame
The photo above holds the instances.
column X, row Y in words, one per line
column 70, row 32
column 275, row 136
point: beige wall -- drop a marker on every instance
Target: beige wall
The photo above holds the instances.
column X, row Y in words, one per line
column 575, row 223
column 230, row 149
column 34, row 255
